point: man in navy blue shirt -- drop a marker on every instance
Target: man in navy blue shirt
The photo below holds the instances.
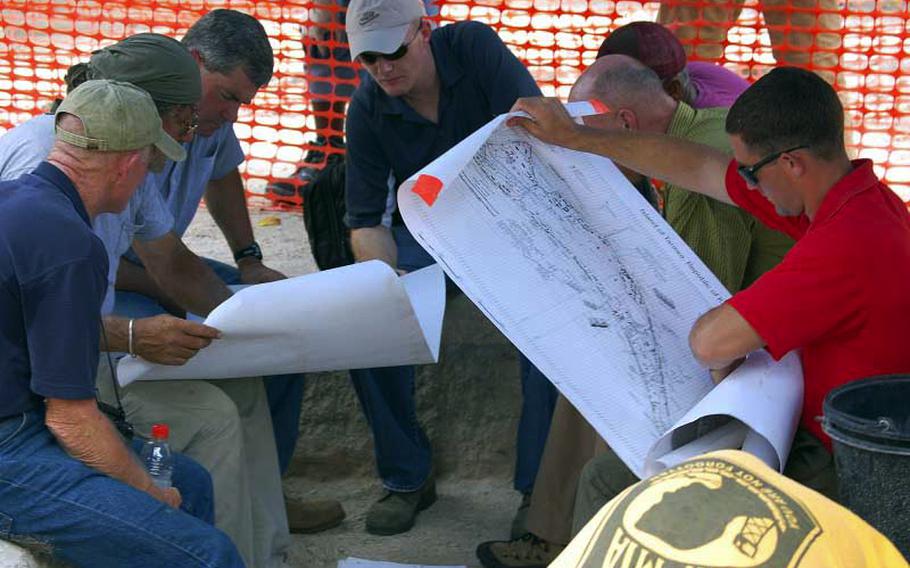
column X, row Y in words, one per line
column 427, row 90
column 67, row 481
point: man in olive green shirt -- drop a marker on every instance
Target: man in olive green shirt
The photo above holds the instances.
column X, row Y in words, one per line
column 733, row 244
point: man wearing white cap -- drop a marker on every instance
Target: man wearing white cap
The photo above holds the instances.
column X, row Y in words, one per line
column 427, row 90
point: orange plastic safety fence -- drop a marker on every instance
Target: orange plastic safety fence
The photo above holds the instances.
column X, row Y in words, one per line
column 862, row 46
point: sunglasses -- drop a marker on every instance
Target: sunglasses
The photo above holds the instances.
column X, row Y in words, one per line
column 371, row 57
column 750, row 173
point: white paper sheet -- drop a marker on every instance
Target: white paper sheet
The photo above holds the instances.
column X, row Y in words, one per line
column 566, row 258
column 362, row 563
column 753, row 393
column 358, row 316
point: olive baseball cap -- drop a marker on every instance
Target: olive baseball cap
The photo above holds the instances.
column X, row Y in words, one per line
column 158, row 64
column 116, row 117
column 380, row 25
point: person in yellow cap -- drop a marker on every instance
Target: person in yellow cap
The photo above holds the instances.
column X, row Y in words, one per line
column 726, row 508
column 68, row 482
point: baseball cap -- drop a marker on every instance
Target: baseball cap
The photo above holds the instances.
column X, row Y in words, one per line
column 116, row 117
column 155, row 63
column 380, row 25
column 652, row 44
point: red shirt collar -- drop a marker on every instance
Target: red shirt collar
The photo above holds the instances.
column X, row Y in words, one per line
column 861, row 178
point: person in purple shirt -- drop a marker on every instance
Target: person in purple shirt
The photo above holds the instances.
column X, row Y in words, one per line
column 698, row 84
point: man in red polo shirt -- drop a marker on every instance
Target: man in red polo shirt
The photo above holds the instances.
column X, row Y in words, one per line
column 839, row 295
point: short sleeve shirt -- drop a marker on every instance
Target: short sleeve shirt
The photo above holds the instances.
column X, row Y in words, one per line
column 387, row 141
column 145, row 218
column 717, row 86
column 840, row 294
column 183, row 184
column 730, row 241
column 53, row 275
column 726, row 508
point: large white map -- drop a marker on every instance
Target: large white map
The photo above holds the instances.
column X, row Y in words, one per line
column 579, row 272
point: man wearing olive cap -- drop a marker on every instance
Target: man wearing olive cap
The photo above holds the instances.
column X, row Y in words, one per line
column 67, row 477
column 224, row 425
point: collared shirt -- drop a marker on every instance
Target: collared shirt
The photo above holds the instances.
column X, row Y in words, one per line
column 145, row 218
column 182, row 184
column 53, row 275
column 841, row 293
column 717, row 86
column 730, row 241
column 387, row 141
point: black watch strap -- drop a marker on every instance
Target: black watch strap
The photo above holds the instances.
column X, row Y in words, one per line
column 251, row 251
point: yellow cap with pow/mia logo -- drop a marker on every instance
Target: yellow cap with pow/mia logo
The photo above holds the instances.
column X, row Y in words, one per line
column 116, row 117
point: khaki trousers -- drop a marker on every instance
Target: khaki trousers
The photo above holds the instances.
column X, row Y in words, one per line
column 225, row 426
column 572, row 442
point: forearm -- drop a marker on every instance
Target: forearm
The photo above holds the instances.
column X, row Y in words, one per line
column 115, row 334
column 88, row 436
column 190, row 282
column 374, row 243
column 676, row 161
column 181, row 275
column 721, row 337
column 134, row 278
column 227, row 204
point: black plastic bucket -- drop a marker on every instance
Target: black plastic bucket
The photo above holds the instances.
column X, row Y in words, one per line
column 869, row 422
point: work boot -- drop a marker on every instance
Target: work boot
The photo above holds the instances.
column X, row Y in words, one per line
column 395, row 512
column 525, row 552
column 307, row 517
column 520, row 521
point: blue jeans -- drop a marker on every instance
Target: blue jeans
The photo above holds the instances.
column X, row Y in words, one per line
column 403, row 456
column 53, row 503
column 284, row 392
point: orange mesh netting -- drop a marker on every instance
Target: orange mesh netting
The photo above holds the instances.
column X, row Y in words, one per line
column 861, row 45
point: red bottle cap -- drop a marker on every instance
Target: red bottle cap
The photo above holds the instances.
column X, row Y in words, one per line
column 160, row 431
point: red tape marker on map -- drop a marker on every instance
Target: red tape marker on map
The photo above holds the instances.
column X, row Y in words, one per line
column 428, row 188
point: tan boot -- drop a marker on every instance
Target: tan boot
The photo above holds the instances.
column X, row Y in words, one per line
column 525, row 552
column 307, row 517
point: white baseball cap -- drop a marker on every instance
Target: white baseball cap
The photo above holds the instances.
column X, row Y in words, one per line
column 380, row 25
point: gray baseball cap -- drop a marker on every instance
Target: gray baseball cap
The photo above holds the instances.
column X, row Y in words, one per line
column 116, row 117
column 380, row 25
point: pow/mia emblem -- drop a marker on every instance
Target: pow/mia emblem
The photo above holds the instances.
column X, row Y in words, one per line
column 704, row 514
column 367, row 17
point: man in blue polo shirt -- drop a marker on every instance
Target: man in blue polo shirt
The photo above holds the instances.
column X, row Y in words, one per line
column 66, row 477
column 427, row 90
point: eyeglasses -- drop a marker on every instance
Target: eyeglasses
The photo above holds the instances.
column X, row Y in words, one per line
column 750, row 173
column 192, row 123
column 371, row 57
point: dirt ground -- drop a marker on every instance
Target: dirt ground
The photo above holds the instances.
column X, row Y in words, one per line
column 467, row 512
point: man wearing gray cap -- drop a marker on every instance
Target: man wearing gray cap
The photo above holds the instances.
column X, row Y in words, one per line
column 224, row 425
column 67, row 478
column 427, row 90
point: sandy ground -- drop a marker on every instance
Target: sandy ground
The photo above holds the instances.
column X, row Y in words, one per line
column 467, row 512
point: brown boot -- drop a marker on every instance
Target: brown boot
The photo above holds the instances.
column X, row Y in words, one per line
column 525, row 552
column 307, row 517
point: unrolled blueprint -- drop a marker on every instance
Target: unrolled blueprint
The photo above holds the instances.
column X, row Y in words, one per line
column 579, row 272
column 358, row 316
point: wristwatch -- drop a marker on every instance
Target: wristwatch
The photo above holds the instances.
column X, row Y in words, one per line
column 251, row 251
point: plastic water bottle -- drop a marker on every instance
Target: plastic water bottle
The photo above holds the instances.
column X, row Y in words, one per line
column 157, row 458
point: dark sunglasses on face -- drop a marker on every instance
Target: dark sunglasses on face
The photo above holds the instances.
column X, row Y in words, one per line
column 371, row 57
column 750, row 173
